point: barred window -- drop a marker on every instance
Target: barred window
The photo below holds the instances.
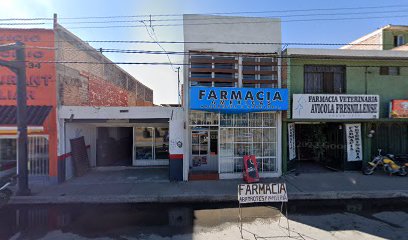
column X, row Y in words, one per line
column 325, row 79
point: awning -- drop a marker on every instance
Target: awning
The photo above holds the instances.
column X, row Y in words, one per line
column 36, row 115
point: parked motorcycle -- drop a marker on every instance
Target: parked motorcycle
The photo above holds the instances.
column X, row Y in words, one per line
column 388, row 163
column 5, row 192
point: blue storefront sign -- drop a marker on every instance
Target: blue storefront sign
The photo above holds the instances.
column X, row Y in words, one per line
column 238, row 100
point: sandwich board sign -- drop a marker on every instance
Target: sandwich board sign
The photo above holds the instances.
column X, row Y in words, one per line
column 262, row 192
column 251, row 174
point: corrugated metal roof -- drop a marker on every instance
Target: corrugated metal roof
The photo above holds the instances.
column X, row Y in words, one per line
column 36, row 115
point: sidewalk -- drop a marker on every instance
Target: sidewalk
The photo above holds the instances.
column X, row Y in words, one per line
column 121, row 187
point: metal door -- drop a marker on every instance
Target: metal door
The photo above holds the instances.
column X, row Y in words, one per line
column 334, row 156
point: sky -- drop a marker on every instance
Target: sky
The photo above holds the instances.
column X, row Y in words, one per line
column 163, row 78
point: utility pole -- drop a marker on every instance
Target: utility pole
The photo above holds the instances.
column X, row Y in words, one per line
column 19, row 68
column 178, row 86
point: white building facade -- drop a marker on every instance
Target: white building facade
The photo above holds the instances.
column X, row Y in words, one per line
column 231, row 78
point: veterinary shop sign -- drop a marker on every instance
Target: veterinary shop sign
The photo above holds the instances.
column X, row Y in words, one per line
column 291, row 141
column 262, row 192
column 335, row 106
column 238, row 100
column 354, row 144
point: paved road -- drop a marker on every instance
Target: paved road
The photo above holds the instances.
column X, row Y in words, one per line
column 189, row 222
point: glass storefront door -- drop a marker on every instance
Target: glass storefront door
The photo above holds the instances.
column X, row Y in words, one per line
column 151, row 146
column 204, row 149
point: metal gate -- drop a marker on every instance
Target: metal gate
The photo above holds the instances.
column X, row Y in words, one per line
column 391, row 137
column 38, row 164
column 38, row 158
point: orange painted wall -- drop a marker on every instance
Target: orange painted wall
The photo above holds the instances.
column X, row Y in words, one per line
column 41, row 80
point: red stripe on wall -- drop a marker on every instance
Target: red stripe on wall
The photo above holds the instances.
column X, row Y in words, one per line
column 67, row 155
column 6, row 166
column 176, row 156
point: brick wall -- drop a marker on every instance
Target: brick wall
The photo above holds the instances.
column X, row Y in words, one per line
column 99, row 84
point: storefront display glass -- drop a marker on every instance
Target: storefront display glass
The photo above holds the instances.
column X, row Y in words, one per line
column 151, row 145
column 247, row 134
column 238, row 135
column 8, row 151
column 38, row 161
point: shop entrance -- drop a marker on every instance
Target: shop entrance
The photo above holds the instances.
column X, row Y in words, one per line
column 114, row 146
column 140, row 145
column 320, row 147
column 151, row 146
column 204, row 149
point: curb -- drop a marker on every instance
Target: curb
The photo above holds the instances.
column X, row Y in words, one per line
column 345, row 195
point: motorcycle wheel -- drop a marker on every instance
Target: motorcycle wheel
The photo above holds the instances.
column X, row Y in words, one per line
column 402, row 171
column 368, row 170
column 5, row 196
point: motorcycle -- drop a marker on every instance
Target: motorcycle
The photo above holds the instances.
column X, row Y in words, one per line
column 5, row 192
column 388, row 163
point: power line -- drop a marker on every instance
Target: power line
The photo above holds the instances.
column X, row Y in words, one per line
column 212, row 13
column 153, row 36
column 24, row 23
column 241, row 22
column 176, row 64
column 137, row 51
column 210, row 42
column 210, row 18
column 266, row 20
column 183, row 53
column 25, row 19
column 222, row 18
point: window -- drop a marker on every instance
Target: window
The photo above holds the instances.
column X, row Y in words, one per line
column 200, row 75
column 398, row 40
column 249, row 85
column 224, row 75
column 222, row 58
column 201, row 65
column 200, row 57
column 151, row 143
column 202, row 84
column 248, row 67
column 8, row 152
column 37, row 148
column 248, row 59
column 224, row 84
column 249, row 77
column 266, row 68
column 325, row 79
column 266, row 59
column 267, row 85
column 248, row 134
column 203, row 118
column 390, row 71
column 224, row 66
column 266, row 77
